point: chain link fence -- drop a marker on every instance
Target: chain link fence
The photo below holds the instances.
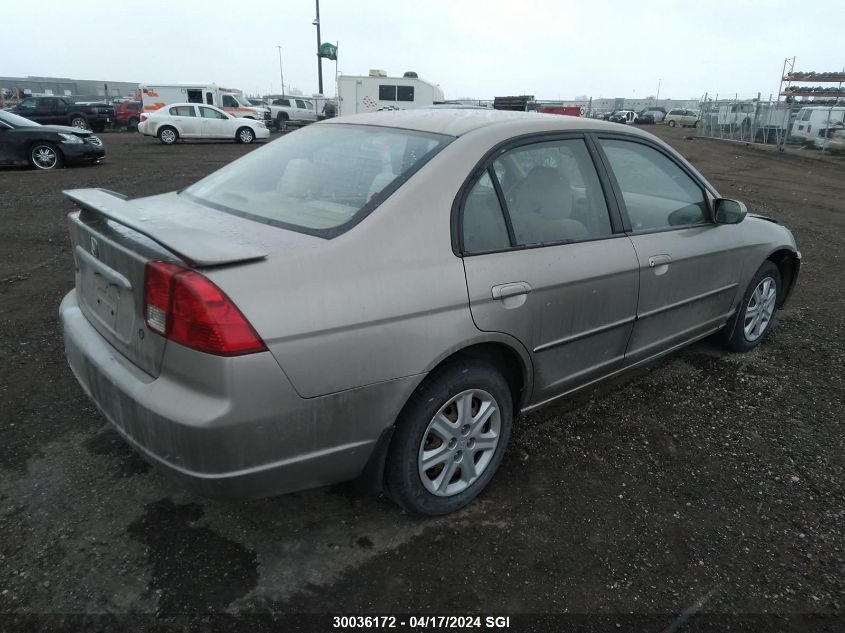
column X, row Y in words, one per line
column 781, row 123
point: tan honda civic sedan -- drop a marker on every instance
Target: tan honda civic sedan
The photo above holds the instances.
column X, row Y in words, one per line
column 379, row 296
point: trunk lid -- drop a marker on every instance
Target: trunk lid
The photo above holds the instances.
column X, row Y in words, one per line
column 113, row 238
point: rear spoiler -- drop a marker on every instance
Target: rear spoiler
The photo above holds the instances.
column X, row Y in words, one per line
column 183, row 235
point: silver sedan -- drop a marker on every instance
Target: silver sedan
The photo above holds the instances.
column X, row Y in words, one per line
column 379, row 296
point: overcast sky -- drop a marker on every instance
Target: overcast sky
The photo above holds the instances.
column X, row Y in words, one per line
column 553, row 49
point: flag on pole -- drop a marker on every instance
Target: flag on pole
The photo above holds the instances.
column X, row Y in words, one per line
column 328, row 51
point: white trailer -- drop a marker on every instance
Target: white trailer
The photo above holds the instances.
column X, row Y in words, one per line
column 155, row 96
column 377, row 91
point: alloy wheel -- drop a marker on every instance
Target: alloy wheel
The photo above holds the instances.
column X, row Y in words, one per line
column 168, row 136
column 760, row 308
column 459, row 443
column 45, row 157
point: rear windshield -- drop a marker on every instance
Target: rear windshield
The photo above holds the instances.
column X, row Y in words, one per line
column 320, row 180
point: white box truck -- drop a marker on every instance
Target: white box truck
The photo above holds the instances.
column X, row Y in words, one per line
column 155, row 96
column 377, row 91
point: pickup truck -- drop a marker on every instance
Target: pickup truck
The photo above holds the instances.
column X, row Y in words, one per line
column 285, row 109
column 61, row 111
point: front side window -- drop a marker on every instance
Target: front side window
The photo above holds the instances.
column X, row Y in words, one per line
column 211, row 113
column 658, row 194
column 404, row 93
column 387, row 93
column 229, row 101
column 320, row 178
column 553, row 193
column 183, row 111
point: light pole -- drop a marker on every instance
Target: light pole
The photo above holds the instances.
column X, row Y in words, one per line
column 281, row 72
column 657, row 98
column 316, row 23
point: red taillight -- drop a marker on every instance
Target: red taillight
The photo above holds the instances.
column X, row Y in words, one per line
column 187, row 308
column 144, row 117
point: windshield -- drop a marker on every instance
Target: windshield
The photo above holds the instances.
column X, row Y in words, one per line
column 319, row 180
column 17, row 121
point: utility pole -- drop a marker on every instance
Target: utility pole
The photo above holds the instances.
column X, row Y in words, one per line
column 281, row 72
column 657, row 99
column 316, row 23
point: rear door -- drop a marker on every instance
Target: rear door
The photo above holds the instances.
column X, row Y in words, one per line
column 690, row 267
column 185, row 116
column 546, row 261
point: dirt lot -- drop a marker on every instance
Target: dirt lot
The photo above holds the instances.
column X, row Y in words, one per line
column 707, row 477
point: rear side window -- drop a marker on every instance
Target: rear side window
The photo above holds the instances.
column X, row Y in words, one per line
column 300, row 104
column 658, row 194
column 320, row 179
column 282, row 102
column 183, row 111
column 484, row 227
column 404, row 93
column 553, row 193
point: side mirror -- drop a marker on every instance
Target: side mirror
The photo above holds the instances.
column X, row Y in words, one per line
column 729, row 211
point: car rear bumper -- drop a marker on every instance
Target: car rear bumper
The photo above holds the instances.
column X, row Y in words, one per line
column 230, row 426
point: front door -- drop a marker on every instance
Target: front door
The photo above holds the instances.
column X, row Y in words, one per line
column 546, row 264
column 215, row 124
column 46, row 112
column 690, row 267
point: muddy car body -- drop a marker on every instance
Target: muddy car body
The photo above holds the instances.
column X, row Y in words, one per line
column 402, row 287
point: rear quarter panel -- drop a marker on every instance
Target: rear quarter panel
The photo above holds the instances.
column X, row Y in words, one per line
column 382, row 301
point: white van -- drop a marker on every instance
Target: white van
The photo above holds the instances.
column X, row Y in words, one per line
column 380, row 92
column 231, row 100
column 812, row 122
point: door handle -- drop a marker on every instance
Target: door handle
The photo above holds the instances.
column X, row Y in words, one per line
column 503, row 291
column 659, row 260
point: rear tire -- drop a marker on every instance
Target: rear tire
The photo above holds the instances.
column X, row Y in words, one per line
column 245, row 135
column 133, row 123
column 459, row 421
column 746, row 329
column 45, row 156
column 168, row 135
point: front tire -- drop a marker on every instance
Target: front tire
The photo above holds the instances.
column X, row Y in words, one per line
column 748, row 326
column 168, row 135
column 672, row 123
column 450, row 438
column 45, row 156
column 245, row 135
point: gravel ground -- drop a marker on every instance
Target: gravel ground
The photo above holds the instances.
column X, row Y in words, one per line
column 706, row 480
